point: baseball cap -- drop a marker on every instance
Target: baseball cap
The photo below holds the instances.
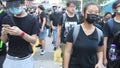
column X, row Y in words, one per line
column 13, row 3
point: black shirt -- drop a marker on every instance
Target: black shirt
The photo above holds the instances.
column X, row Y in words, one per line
column 18, row 46
column 110, row 33
column 3, row 49
column 69, row 23
column 41, row 16
column 84, row 49
column 55, row 18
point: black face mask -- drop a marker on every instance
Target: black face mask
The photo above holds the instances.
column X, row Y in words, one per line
column 91, row 18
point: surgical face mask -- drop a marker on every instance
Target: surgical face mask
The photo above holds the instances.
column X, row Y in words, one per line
column 16, row 10
column 118, row 10
column 91, row 18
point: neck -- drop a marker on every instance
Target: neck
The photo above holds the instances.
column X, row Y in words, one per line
column 87, row 26
column 70, row 14
column 22, row 14
column 117, row 17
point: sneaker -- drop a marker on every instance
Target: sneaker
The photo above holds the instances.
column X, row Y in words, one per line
column 39, row 45
column 42, row 52
column 54, row 48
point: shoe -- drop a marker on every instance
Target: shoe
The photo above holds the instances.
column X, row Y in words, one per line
column 54, row 48
column 39, row 45
column 42, row 52
column 52, row 42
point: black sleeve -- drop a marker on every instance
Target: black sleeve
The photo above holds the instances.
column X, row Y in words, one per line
column 106, row 30
column 70, row 36
column 43, row 15
column 60, row 20
column 35, row 28
column 51, row 17
column 101, row 41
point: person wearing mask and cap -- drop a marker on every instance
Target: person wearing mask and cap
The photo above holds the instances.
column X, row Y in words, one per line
column 20, row 30
column 2, row 46
column 54, row 19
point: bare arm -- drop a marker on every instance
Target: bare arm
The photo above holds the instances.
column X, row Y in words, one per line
column 104, row 51
column 58, row 35
column 30, row 38
column 4, row 36
column 67, row 54
column 44, row 22
column 51, row 22
column 100, row 54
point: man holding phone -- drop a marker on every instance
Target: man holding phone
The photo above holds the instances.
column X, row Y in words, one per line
column 20, row 30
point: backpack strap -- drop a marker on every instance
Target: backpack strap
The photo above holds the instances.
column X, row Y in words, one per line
column 64, row 19
column 100, row 34
column 78, row 18
column 110, row 25
column 75, row 33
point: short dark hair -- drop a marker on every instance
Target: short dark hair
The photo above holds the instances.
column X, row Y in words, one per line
column 107, row 13
column 70, row 2
column 1, row 3
column 88, row 4
column 41, row 7
column 114, row 6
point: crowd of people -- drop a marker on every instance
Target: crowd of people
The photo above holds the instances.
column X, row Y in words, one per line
column 86, row 39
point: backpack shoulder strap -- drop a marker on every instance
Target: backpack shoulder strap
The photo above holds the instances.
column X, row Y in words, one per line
column 75, row 33
column 64, row 18
column 110, row 24
column 100, row 34
column 78, row 18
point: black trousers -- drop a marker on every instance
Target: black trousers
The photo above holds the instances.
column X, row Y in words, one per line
column 113, row 64
column 2, row 58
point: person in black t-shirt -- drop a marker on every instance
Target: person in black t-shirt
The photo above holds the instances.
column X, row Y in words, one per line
column 2, row 45
column 82, row 52
column 66, row 22
column 20, row 30
column 43, row 30
column 110, row 34
column 54, row 19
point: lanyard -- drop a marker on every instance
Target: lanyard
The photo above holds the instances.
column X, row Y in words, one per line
column 1, row 43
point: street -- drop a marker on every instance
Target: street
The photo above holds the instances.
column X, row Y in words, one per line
column 45, row 61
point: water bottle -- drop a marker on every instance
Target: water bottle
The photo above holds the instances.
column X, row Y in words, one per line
column 112, row 52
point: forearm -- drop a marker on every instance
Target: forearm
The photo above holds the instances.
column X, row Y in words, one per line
column 44, row 22
column 100, row 56
column 43, row 25
column 58, row 36
column 51, row 23
column 105, row 48
column 32, row 39
column 4, row 38
column 66, row 59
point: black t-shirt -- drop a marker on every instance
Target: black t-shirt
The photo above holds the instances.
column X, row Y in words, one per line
column 18, row 46
column 55, row 18
column 41, row 16
column 110, row 33
column 69, row 23
column 3, row 49
column 84, row 49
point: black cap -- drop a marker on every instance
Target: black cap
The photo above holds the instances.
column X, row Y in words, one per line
column 13, row 3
